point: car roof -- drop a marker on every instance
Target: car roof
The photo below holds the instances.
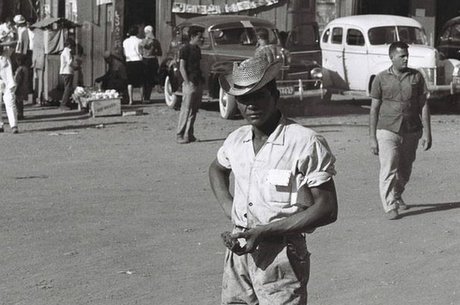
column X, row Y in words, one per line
column 212, row 21
column 372, row 21
column 451, row 21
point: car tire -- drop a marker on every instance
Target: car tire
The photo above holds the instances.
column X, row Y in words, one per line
column 227, row 105
column 172, row 100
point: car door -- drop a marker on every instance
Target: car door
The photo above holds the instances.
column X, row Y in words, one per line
column 355, row 59
column 332, row 53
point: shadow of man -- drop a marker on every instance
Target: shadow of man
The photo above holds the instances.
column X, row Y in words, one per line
column 432, row 207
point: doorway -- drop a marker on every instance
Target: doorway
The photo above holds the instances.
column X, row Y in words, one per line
column 139, row 13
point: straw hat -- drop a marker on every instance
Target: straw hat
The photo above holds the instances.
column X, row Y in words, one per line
column 249, row 76
column 19, row 19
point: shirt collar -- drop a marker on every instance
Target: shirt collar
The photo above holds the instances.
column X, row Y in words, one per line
column 405, row 73
column 276, row 137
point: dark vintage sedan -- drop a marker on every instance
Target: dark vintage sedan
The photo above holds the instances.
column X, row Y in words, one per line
column 229, row 39
column 449, row 41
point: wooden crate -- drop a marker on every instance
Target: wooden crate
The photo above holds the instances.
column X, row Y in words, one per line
column 106, row 107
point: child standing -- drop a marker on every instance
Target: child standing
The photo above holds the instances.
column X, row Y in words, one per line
column 21, row 77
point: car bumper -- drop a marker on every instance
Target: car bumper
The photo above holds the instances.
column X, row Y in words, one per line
column 443, row 90
column 301, row 88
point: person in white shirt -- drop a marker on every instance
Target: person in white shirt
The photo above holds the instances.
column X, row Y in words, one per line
column 134, row 67
column 7, row 88
column 66, row 72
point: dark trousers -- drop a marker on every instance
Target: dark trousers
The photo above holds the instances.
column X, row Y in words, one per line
column 68, row 88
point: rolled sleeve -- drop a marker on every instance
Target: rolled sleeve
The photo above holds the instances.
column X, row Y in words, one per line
column 376, row 89
column 222, row 158
column 318, row 165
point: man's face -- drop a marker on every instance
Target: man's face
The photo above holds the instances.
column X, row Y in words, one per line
column 257, row 107
column 400, row 58
column 198, row 39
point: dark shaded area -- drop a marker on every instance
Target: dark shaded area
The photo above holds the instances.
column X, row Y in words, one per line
column 429, row 208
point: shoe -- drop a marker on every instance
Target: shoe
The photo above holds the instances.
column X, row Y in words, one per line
column 182, row 140
column 193, row 139
column 392, row 215
column 15, row 129
column 401, row 204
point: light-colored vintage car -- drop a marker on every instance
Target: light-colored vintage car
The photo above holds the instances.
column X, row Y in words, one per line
column 355, row 49
column 229, row 39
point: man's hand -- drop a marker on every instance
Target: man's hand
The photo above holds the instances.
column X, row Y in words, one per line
column 374, row 146
column 426, row 141
column 253, row 238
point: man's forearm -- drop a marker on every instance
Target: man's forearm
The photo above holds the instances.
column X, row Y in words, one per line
column 373, row 117
column 426, row 118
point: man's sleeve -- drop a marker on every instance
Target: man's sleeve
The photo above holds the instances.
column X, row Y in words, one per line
column 376, row 89
column 222, row 157
column 317, row 167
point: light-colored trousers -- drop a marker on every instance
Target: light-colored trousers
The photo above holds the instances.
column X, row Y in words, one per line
column 191, row 101
column 7, row 97
column 396, row 155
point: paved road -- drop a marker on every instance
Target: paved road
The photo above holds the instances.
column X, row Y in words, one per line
column 112, row 211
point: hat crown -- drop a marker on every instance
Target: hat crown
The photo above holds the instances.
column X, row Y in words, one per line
column 19, row 19
column 249, row 71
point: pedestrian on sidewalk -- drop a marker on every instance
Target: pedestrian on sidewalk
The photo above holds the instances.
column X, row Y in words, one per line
column 21, row 77
column 192, row 86
column 399, row 117
column 66, row 72
column 283, row 188
column 7, row 88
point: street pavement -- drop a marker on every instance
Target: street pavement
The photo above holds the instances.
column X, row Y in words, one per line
column 111, row 210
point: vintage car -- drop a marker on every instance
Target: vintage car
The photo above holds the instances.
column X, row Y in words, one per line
column 355, row 49
column 449, row 41
column 229, row 39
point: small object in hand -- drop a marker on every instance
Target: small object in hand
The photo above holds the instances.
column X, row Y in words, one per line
column 230, row 242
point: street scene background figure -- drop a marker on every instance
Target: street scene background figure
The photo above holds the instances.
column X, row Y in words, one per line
column 192, row 86
column 134, row 67
column 399, row 117
column 151, row 50
column 21, row 77
column 7, row 92
column 283, row 188
column 116, row 76
column 66, row 72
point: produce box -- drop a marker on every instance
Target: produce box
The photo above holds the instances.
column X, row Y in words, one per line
column 106, row 107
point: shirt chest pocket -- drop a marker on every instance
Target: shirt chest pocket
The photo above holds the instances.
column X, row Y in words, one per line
column 278, row 186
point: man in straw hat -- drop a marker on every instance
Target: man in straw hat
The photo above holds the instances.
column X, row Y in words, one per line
column 283, row 188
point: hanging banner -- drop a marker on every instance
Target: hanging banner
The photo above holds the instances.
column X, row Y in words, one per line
column 215, row 9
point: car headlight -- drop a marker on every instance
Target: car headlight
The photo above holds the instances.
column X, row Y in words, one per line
column 316, row 73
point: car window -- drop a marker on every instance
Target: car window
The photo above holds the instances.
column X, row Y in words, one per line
column 303, row 35
column 355, row 37
column 240, row 36
column 455, row 33
column 389, row 34
column 411, row 35
column 337, row 34
column 326, row 35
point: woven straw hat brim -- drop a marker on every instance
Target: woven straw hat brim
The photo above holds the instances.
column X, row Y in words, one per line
column 228, row 83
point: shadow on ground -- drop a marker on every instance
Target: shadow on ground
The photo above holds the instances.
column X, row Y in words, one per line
column 429, row 208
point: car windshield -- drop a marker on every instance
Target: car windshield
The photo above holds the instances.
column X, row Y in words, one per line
column 389, row 34
column 240, row 36
column 303, row 35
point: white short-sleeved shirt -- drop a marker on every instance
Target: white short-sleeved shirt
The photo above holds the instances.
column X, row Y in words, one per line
column 66, row 62
column 6, row 75
column 132, row 49
column 269, row 186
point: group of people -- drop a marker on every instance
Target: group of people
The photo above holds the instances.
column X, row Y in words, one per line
column 283, row 175
column 16, row 44
column 142, row 65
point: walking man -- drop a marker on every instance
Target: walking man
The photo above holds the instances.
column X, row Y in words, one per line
column 399, row 117
column 192, row 86
column 283, row 188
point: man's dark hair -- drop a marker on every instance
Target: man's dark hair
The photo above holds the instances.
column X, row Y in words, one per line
column 194, row 31
column 262, row 33
column 397, row 45
column 69, row 42
column 133, row 30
